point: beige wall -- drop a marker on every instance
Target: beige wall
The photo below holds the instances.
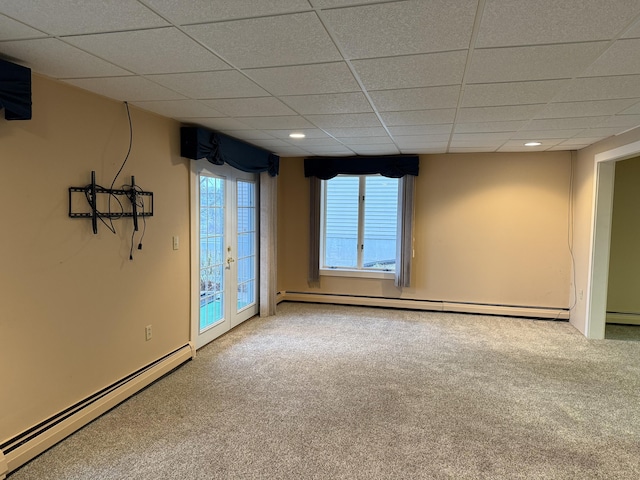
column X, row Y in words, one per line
column 73, row 307
column 624, row 259
column 489, row 228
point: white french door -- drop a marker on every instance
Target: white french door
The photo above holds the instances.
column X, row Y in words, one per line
column 224, row 262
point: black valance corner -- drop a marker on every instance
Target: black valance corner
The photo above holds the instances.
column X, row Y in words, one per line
column 218, row 148
column 393, row 166
column 15, row 91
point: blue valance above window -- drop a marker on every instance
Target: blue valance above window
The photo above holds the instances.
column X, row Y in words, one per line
column 217, row 148
column 392, row 166
column 15, row 91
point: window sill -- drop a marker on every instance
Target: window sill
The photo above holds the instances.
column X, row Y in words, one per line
column 343, row 272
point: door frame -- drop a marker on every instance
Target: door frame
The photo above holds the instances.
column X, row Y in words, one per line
column 598, row 270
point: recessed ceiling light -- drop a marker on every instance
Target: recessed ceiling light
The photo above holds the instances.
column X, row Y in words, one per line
column 532, row 144
column 297, row 135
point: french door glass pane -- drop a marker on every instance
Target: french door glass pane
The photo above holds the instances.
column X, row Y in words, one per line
column 380, row 222
column 211, row 251
column 341, row 222
column 246, row 244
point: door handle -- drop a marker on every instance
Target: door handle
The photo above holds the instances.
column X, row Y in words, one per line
column 230, row 260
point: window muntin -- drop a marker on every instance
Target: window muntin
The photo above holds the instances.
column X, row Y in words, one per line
column 359, row 223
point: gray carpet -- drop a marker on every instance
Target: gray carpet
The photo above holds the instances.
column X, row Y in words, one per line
column 329, row 392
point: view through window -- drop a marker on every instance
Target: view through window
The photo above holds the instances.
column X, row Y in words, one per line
column 360, row 217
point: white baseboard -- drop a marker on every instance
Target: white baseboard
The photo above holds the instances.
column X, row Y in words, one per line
column 624, row 318
column 530, row 312
column 49, row 435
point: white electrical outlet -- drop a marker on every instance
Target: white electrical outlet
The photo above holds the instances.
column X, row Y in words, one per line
column 147, row 332
column 176, row 242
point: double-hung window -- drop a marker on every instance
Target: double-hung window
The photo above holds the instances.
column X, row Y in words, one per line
column 359, row 225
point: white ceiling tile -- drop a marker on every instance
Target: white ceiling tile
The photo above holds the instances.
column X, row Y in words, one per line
column 250, row 107
column 585, row 109
column 539, row 62
column 69, row 17
column 427, row 150
column 471, row 149
column 489, row 127
column 13, row 30
column 407, row 140
column 56, row 59
column 580, row 142
column 128, row 88
column 516, row 147
column 424, row 144
column 600, row 132
column 490, row 137
column 344, row 120
column 522, row 22
column 546, row 143
column 158, row 50
column 620, row 59
column 400, row 28
column 330, row 151
column 513, row 93
column 328, row 103
column 421, row 130
column 270, row 143
column 315, row 142
column 633, row 110
column 419, row 117
column 347, row 132
column 416, row 98
column 564, row 123
column 367, row 141
column 291, row 152
column 412, row 70
column 601, row 88
column 220, row 84
column 559, row 148
column 496, row 114
column 634, row 31
column 339, row 3
column 621, row 121
column 200, row 11
column 491, row 144
column 249, row 134
column 277, row 123
column 306, row 79
column 309, row 133
column 375, row 149
column 219, row 124
column 179, row 108
column 269, row 41
column 533, row 135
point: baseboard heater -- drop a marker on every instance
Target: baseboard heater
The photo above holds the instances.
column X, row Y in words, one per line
column 427, row 305
column 23, row 447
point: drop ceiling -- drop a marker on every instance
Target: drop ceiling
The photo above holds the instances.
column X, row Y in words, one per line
column 358, row 77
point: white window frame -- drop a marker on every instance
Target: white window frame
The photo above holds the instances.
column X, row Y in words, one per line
column 344, row 271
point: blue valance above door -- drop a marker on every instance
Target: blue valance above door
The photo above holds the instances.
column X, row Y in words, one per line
column 218, row 148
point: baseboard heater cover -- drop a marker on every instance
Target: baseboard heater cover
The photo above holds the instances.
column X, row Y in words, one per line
column 31, row 443
column 428, row 305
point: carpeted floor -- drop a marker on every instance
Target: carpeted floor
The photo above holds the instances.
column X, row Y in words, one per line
column 330, row 392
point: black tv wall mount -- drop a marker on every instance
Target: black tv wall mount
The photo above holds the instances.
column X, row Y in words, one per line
column 89, row 202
